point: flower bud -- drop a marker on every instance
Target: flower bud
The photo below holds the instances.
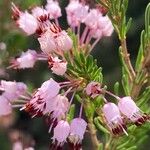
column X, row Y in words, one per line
column 93, row 89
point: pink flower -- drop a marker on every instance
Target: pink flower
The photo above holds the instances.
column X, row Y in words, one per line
column 70, row 10
column 128, row 108
column 5, row 106
column 47, row 42
column 54, row 9
column 59, row 67
column 17, row 146
column 8, row 86
column 57, row 106
column 12, row 90
column 93, row 89
column 92, row 18
column 26, row 60
column 40, row 13
column 77, row 130
column 55, row 40
column 44, row 96
column 27, row 23
column 113, row 118
column 108, row 28
column 63, row 41
column 61, row 132
column 76, row 13
column 104, row 27
column 81, row 12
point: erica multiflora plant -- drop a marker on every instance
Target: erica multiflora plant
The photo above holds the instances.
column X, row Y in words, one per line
column 114, row 121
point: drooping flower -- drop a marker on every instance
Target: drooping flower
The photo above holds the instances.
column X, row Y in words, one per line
column 27, row 23
column 93, row 89
column 58, row 106
column 77, row 130
column 12, row 90
column 43, row 96
column 54, row 9
column 61, row 132
column 70, row 10
column 92, row 18
column 47, row 42
column 26, row 60
column 55, row 40
column 58, row 66
column 76, row 13
column 104, row 27
column 63, row 41
column 40, row 13
column 108, row 29
column 128, row 108
column 114, row 119
column 5, row 106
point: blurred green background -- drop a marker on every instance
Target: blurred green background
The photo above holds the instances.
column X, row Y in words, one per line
column 106, row 52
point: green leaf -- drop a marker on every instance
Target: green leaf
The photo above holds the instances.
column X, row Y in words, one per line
column 132, row 148
column 116, row 88
column 128, row 25
column 99, row 126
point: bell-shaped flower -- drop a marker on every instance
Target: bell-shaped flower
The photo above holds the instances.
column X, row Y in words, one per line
column 70, row 10
column 61, row 132
column 76, row 13
column 42, row 97
column 54, row 9
column 104, row 28
column 77, row 130
column 81, row 12
column 93, row 89
column 12, row 90
column 92, row 18
column 58, row 107
column 40, row 13
column 58, row 66
column 5, row 106
column 63, row 41
column 47, row 42
column 108, row 29
column 27, row 23
column 128, row 108
column 114, row 119
column 26, row 60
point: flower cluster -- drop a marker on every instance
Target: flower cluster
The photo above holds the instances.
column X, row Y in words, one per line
column 54, row 41
column 53, row 100
column 47, row 101
column 117, row 116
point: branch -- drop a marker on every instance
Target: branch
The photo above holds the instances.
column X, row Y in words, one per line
column 93, row 134
column 126, row 57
